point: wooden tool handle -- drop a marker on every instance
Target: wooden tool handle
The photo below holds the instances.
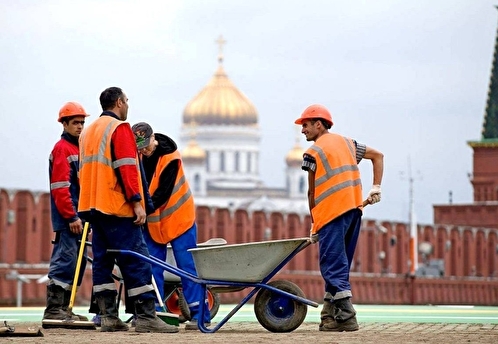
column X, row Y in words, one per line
column 78, row 266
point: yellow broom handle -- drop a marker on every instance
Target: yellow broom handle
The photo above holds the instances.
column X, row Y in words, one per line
column 78, row 266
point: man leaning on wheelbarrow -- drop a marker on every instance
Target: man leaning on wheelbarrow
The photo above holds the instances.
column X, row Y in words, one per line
column 335, row 202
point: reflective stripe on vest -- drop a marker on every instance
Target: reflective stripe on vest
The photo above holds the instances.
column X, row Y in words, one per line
column 100, row 189
column 337, row 178
column 176, row 216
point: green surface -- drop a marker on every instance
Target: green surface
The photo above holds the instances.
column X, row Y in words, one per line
column 366, row 313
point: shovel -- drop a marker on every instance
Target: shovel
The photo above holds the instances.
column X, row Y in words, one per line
column 73, row 324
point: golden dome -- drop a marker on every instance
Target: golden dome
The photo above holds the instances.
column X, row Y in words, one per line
column 193, row 152
column 295, row 156
column 220, row 102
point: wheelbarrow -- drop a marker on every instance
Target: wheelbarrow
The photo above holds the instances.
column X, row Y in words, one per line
column 279, row 306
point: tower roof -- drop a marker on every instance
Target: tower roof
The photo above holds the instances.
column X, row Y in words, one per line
column 490, row 125
column 220, row 102
column 489, row 134
column 193, row 152
column 295, row 155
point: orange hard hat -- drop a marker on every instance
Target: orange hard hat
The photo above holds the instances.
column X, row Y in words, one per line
column 315, row 111
column 71, row 109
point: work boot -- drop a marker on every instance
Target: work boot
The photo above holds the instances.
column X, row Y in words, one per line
column 327, row 315
column 55, row 301
column 147, row 320
column 109, row 317
column 65, row 306
column 344, row 316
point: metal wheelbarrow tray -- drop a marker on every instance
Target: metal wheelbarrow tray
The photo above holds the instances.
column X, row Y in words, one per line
column 279, row 306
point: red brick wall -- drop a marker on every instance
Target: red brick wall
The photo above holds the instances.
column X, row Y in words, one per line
column 382, row 252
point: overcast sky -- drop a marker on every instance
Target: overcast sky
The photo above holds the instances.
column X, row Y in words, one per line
column 407, row 77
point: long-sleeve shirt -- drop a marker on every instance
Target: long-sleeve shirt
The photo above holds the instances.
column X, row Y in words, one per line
column 64, row 184
column 123, row 147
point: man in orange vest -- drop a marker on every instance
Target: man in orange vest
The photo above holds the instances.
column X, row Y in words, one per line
column 112, row 198
column 173, row 219
column 66, row 223
column 335, row 202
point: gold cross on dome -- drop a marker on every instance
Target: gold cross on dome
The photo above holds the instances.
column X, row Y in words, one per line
column 221, row 42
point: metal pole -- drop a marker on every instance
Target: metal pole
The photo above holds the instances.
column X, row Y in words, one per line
column 413, row 233
column 413, row 241
column 19, row 293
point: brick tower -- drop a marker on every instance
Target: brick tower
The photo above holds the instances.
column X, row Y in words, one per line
column 483, row 212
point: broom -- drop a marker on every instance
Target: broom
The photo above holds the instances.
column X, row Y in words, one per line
column 168, row 318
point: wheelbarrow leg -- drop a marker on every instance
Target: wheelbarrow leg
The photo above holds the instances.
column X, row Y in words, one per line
column 203, row 306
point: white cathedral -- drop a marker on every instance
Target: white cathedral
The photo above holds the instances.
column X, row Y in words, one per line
column 221, row 136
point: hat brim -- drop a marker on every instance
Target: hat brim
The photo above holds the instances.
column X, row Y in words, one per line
column 144, row 144
column 301, row 120
column 77, row 115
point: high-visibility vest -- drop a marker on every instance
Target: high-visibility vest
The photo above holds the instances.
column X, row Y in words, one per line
column 100, row 189
column 176, row 216
column 337, row 178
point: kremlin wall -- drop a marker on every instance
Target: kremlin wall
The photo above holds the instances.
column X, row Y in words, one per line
column 465, row 273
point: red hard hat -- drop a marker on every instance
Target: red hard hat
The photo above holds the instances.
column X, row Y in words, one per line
column 315, row 111
column 71, row 109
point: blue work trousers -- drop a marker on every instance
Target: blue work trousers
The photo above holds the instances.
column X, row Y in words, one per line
column 337, row 244
column 192, row 291
column 64, row 258
column 111, row 232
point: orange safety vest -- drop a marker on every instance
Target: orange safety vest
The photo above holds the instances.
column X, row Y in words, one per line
column 176, row 216
column 337, row 178
column 100, row 189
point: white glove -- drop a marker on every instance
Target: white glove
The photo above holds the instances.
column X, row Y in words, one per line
column 374, row 194
column 313, row 237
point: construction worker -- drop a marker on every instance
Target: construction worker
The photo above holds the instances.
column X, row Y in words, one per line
column 112, row 198
column 66, row 223
column 335, row 202
column 173, row 219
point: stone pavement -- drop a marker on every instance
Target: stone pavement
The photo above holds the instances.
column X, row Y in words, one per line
column 253, row 332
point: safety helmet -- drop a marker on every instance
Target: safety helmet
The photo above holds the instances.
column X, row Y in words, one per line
column 71, row 109
column 315, row 111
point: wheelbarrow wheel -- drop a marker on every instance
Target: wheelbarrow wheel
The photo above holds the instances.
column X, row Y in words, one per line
column 277, row 312
column 177, row 304
column 213, row 302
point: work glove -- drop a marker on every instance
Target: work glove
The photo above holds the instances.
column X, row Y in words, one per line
column 374, row 194
column 313, row 237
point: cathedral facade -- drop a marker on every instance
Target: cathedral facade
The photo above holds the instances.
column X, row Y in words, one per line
column 221, row 136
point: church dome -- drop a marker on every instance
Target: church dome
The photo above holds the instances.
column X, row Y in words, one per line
column 220, row 103
column 193, row 152
column 295, row 155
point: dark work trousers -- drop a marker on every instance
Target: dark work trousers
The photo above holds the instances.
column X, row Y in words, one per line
column 111, row 232
column 337, row 244
column 64, row 258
